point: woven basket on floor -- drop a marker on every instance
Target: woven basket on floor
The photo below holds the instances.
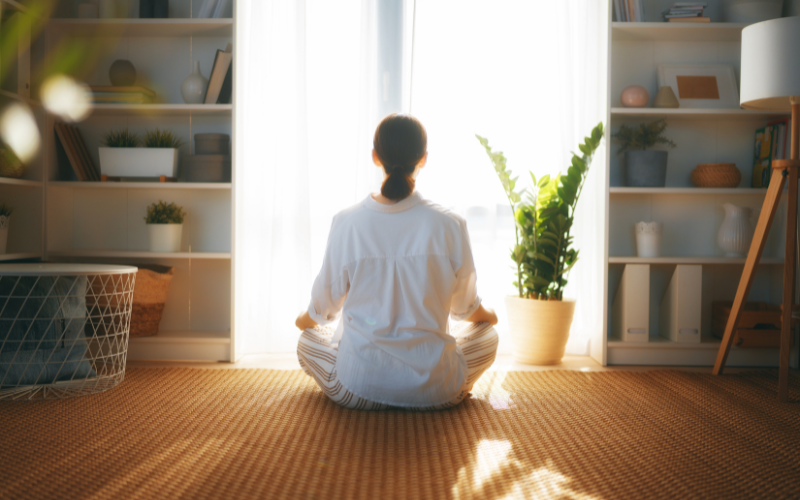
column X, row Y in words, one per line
column 149, row 297
column 716, row 175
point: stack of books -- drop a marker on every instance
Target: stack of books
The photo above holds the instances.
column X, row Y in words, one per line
column 629, row 11
column 70, row 144
column 772, row 143
column 122, row 95
column 686, row 12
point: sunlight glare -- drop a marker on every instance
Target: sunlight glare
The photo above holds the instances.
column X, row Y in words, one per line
column 67, row 98
column 491, row 455
column 19, row 131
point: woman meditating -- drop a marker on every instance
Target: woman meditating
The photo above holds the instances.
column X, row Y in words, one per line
column 396, row 266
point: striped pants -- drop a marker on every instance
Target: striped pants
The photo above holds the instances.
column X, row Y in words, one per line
column 477, row 341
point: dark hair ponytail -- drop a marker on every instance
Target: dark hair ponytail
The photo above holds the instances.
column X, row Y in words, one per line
column 400, row 142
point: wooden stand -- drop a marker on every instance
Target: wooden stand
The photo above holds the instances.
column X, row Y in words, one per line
column 783, row 171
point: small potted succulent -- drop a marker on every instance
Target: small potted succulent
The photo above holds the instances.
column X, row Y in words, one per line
column 644, row 167
column 5, row 218
column 539, row 316
column 165, row 226
column 122, row 156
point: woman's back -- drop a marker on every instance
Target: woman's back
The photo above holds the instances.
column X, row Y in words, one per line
column 398, row 271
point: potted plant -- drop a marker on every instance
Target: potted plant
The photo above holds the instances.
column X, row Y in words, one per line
column 10, row 164
column 643, row 167
column 165, row 226
column 5, row 218
column 122, row 155
column 539, row 316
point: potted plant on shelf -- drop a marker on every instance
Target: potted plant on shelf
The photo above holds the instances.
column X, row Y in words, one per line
column 539, row 317
column 165, row 226
column 644, row 167
column 10, row 164
column 5, row 218
column 122, row 155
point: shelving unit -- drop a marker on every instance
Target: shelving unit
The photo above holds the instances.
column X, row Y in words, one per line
column 691, row 216
column 60, row 219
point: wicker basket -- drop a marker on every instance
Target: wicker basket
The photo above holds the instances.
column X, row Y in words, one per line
column 149, row 297
column 716, row 175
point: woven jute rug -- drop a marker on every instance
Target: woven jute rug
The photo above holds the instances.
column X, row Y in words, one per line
column 201, row 434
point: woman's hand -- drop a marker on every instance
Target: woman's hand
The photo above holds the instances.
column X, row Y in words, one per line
column 483, row 314
column 304, row 321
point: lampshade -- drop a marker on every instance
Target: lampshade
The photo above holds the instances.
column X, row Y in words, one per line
column 770, row 64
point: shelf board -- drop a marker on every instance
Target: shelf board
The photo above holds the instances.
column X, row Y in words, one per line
column 112, row 254
column 20, row 182
column 140, row 185
column 688, row 260
column 12, row 5
column 697, row 113
column 163, row 109
column 186, row 337
column 20, row 256
column 11, row 95
column 142, row 27
column 659, row 342
column 687, row 190
column 677, row 32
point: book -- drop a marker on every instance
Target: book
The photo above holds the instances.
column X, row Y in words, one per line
column 207, row 9
column 219, row 71
column 690, row 20
column 762, row 161
column 618, row 11
column 220, row 10
column 680, row 309
column 630, row 311
column 72, row 155
column 783, row 142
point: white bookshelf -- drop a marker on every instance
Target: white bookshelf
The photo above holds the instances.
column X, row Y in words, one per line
column 691, row 216
column 60, row 219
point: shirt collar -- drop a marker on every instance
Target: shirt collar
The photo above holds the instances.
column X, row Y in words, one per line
column 400, row 206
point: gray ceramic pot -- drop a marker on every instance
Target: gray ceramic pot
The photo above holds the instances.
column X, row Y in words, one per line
column 645, row 168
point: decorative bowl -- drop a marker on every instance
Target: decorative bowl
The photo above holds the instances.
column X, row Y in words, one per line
column 716, row 175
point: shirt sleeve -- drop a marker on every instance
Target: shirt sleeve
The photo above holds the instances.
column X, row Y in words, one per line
column 330, row 287
column 465, row 300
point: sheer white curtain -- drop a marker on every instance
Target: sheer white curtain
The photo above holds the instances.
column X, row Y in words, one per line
column 528, row 75
column 531, row 78
column 305, row 110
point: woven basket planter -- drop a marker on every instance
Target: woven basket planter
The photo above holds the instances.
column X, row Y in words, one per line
column 716, row 175
column 149, row 297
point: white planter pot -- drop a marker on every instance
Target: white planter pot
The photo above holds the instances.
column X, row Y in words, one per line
column 4, row 221
column 165, row 237
column 539, row 329
column 139, row 162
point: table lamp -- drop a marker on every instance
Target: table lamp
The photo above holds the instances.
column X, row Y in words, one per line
column 770, row 81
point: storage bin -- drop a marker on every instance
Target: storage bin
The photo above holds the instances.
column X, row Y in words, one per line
column 212, row 144
column 207, row 168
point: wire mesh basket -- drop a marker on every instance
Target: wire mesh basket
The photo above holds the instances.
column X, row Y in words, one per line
column 63, row 329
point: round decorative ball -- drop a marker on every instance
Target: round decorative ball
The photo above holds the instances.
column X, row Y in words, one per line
column 122, row 73
column 635, row 96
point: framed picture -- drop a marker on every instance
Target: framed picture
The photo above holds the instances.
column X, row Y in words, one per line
column 701, row 85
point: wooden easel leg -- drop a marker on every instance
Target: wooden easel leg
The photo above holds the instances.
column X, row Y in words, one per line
column 788, row 288
column 768, row 210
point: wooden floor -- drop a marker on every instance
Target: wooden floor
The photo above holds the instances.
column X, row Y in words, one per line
column 503, row 363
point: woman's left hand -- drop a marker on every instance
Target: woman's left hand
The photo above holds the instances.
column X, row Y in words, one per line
column 304, row 321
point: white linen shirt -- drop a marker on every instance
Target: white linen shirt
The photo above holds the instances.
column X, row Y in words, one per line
column 397, row 272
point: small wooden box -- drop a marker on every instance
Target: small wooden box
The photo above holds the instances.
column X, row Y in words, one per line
column 759, row 324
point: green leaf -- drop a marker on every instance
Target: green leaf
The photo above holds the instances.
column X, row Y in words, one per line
column 544, row 181
column 584, row 149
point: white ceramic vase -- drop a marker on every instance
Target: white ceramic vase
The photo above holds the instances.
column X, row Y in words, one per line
column 539, row 329
column 736, row 231
column 193, row 88
column 4, row 232
column 165, row 237
column 648, row 239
